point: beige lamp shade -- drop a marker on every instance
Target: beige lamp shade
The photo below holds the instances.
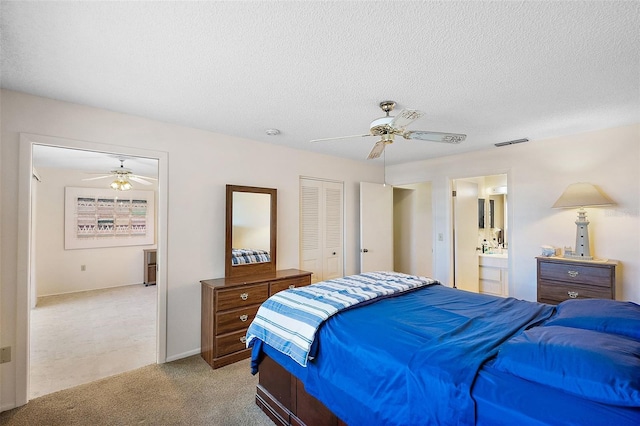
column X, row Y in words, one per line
column 582, row 195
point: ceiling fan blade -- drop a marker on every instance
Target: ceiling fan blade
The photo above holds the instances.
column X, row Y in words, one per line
column 377, row 150
column 98, row 177
column 144, row 177
column 405, row 117
column 434, row 136
column 341, row 137
column 137, row 179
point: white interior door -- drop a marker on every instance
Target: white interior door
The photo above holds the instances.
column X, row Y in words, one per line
column 465, row 211
column 376, row 227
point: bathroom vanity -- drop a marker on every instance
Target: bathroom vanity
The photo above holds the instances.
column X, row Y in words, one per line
column 494, row 273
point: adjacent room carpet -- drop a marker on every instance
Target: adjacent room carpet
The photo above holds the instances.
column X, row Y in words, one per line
column 183, row 392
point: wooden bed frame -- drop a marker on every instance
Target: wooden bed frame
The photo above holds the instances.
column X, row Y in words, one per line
column 283, row 398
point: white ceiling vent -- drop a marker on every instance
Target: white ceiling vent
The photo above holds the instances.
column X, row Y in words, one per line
column 513, row 142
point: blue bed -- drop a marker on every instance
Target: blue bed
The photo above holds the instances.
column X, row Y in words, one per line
column 437, row 355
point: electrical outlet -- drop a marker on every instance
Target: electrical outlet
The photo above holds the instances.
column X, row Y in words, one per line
column 5, row 354
column 440, row 237
column 83, row 268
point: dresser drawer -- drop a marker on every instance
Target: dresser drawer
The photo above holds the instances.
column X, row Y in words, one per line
column 280, row 285
column 238, row 297
column 575, row 273
column 236, row 319
column 230, row 343
column 556, row 292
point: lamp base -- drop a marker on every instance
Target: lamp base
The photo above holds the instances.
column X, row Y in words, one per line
column 575, row 256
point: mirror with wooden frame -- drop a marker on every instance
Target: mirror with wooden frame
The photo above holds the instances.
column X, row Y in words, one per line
column 251, row 231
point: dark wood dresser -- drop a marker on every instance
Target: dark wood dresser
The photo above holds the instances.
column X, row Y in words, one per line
column 230, row 304
column 560, row 279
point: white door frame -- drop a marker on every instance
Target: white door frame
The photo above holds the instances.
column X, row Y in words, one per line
column 511, row 189
column 23, row 295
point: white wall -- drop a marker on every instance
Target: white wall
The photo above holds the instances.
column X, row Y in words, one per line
column 538, row 172
column 58, row 270
column 200, row 163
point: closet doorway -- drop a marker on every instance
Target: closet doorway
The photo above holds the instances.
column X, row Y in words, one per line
column 322, row 228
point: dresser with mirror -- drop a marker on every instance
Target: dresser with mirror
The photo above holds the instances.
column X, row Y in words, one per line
column 229, row 304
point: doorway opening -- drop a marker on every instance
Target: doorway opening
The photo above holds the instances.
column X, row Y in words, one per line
column 396, row 228
column 481, row 234
column 91, row 314
column 27, row 255
column 413, row 229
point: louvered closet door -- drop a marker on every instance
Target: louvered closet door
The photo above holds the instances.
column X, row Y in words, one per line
column 321, row 228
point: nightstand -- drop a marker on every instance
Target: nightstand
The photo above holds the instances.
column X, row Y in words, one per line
column 560, row 279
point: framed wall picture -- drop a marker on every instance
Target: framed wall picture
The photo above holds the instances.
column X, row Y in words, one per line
column 95, row 217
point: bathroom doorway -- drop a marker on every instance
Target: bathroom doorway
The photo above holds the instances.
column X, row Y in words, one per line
column 480, row 234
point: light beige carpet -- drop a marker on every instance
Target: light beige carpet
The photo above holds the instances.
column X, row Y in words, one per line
column 183, row 392
column 80, row 337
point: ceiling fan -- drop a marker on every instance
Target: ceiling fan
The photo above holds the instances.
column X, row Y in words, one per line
column 122, row 176
column 388, row 126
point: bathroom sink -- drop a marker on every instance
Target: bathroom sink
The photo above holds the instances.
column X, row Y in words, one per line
column 503, row 255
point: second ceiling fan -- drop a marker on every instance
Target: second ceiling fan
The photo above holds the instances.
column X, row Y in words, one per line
column 388, row 126
column 122, row 176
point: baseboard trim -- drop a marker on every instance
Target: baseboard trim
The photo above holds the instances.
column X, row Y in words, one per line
column 7, row 407
column 183, row 355
column 66, row 293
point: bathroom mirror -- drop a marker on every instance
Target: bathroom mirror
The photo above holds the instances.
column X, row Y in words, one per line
column 251, row 229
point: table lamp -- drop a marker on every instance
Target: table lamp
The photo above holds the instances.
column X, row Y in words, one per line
column 582, row 195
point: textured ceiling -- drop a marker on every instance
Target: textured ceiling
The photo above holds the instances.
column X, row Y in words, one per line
column 495, row 71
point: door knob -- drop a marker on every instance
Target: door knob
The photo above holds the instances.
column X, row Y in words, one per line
column 334, row 253
column 365, row 250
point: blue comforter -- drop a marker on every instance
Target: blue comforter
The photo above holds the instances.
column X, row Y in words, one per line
column 416, row 356
column 289, row 320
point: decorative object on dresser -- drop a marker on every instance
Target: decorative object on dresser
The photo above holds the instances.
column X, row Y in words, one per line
column 582, row 195
column 560, row 279
column 230, row 304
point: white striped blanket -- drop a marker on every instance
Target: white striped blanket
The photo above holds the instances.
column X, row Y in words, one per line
column 288, row 320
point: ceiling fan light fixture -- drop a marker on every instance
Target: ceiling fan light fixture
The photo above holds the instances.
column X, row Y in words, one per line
column 121, row 184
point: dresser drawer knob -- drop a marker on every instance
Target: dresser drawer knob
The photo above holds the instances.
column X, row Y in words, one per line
column 292, row 286
column 244, row 296
column 244, row 318
column 572, row 274
column 572, row 294
column 243, row 339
